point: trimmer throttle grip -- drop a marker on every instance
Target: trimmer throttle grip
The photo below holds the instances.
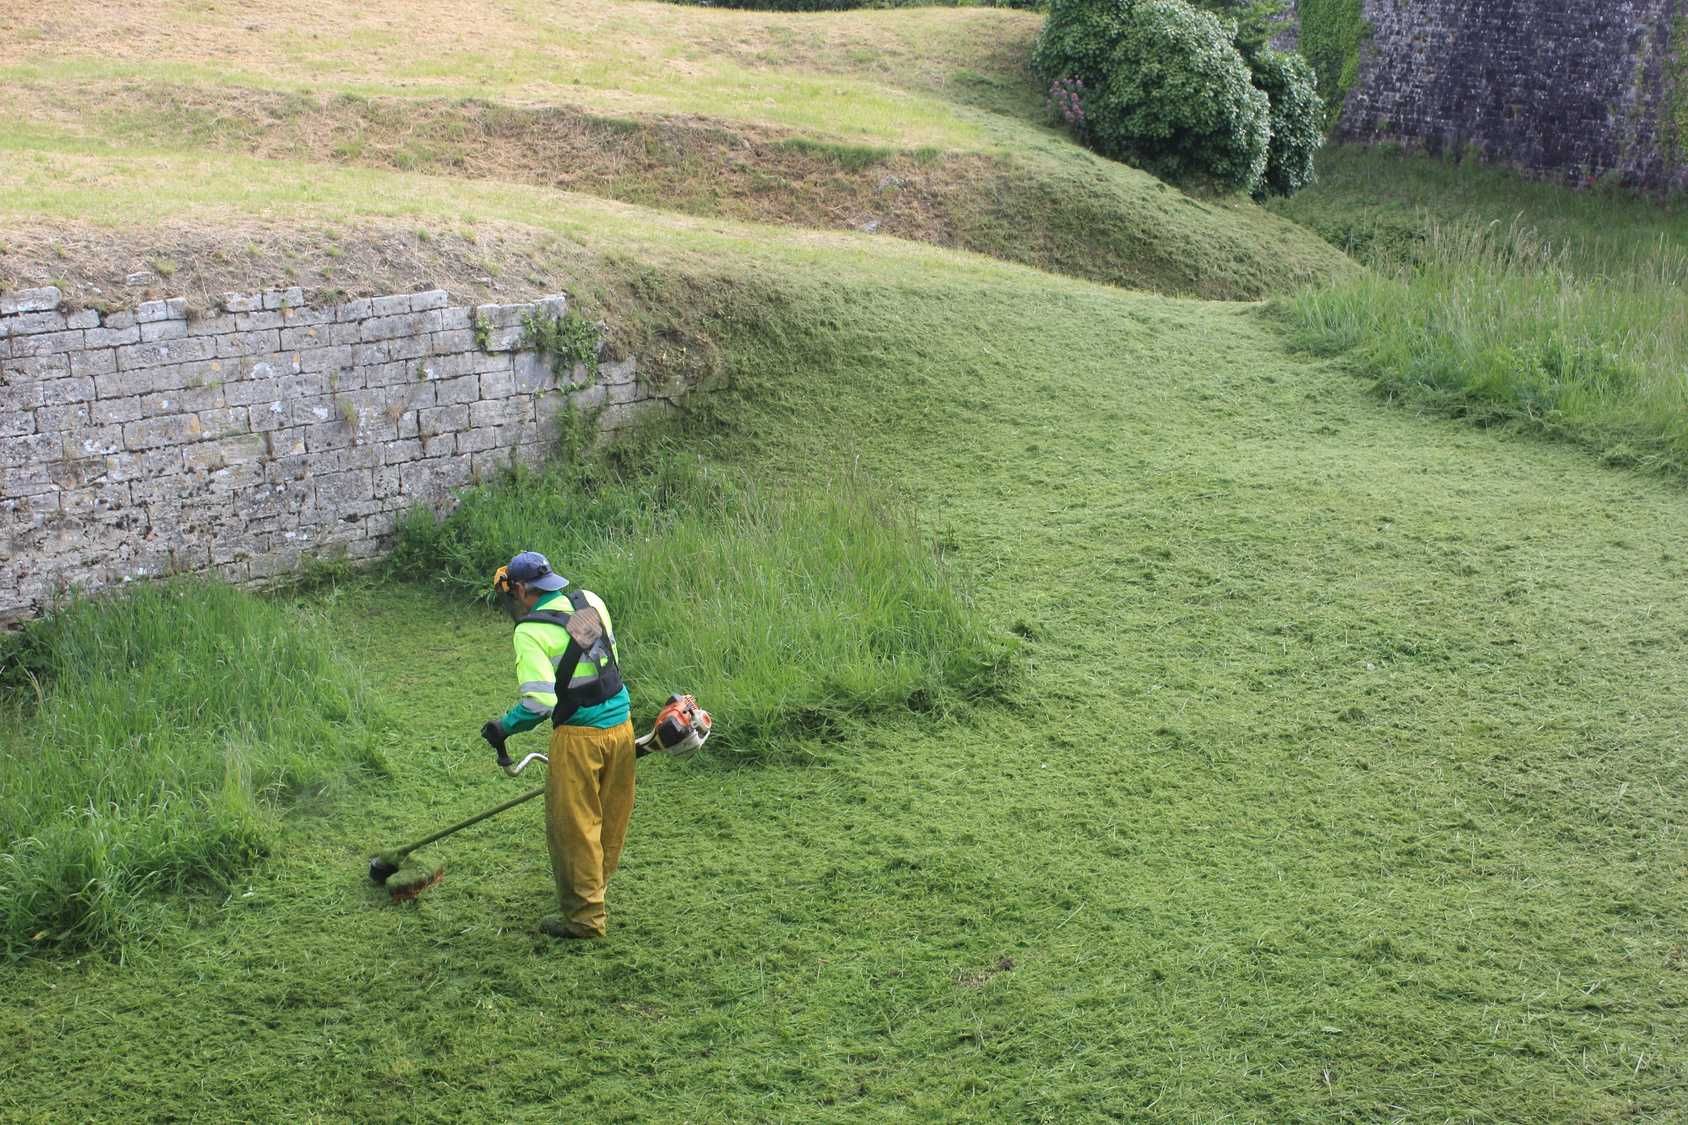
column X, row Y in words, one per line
column 493, row 731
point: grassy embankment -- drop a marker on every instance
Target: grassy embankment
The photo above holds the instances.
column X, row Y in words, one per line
column 1340, row 776
column 1507, row 301
column 919, row 123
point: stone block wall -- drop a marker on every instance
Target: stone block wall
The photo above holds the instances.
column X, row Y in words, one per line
column 1573, row 90
column 243, row 443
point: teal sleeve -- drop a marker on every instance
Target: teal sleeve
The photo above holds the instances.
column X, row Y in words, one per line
column 519, row 718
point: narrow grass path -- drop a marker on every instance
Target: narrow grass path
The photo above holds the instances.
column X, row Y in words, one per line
column 1343, row 781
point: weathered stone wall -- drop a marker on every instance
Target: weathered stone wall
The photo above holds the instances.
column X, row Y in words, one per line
column 1574, row 90
column 143, row 443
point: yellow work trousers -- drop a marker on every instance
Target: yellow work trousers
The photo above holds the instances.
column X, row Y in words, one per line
column 588, row 802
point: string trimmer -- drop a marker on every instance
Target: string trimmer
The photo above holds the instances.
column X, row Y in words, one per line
column 680, row 730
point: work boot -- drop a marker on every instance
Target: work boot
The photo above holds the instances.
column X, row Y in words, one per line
column 555, row 925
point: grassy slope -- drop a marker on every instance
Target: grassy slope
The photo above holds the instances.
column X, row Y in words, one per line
column 678, row 107
column 1343, row 783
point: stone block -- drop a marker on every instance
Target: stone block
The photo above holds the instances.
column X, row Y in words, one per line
column 497, row 384
column 366, row 456
column 188, row 350
column 618, row 373
column 347, row 379
column 463, row 389
column 330, row 435
column 56, row 419
column 93, row 362
column 290, row 298
column 306, row 315
column 29, row 300
column 30, row 323
column 264, row 417
column 237, row 344
column 443, row 419
column 95, row 441
column 353, row 310
column 18, row 403
column 335, row 489
column 174, row 309
column 489, row 463
column 435, row 478
column 457, row 340
column 48, row 343
column 301, row 338
column 398, row 452
column 33, row 479
column 114, row 337
column 95, row 499
column 391, row 327
column 502, row 316
column 240, row 449
column 153, row 465
column 505, row 339
column 620, row 393
column 242, row 302
column 408, row 396
column 57, row 392
column 144, row 380
column 501, row 412
column 456, row 319
column 474, row 441
column 245, row 392
column 532, row 373
column 225, row 421
column 187, row 400
column 313, row 360
column 159, row 330
column 108, row 410
column 171, row 429
column 257, row 321
column 439, row 445
column 429, row 299
column 388, row 351
column 390, row 305
column 37, row 367
column 214, row 325
column 122, row 318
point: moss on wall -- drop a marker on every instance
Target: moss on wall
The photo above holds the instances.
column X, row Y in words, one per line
column 1331, row 34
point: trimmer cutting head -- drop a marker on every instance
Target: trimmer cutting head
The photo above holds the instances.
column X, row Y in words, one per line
column 404, row 880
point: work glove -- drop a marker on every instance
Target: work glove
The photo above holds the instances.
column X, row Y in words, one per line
column 493, row 732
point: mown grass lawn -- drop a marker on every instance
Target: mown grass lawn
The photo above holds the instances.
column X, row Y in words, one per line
column 1342, row 781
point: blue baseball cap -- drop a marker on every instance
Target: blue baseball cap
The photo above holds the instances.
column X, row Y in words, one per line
column 531, row 568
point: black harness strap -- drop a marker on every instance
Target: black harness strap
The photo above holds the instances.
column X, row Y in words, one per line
column 608, row 683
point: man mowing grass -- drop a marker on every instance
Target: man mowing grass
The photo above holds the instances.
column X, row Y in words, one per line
column 564, row 640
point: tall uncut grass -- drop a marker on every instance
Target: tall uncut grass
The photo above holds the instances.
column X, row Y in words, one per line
column 146, row 742
column 780, row 608
column 1493, row 321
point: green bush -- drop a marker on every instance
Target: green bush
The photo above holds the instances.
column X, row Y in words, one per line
column 1297, row 119
column 1164, row 87
column 146, row 741
column 780, row 609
